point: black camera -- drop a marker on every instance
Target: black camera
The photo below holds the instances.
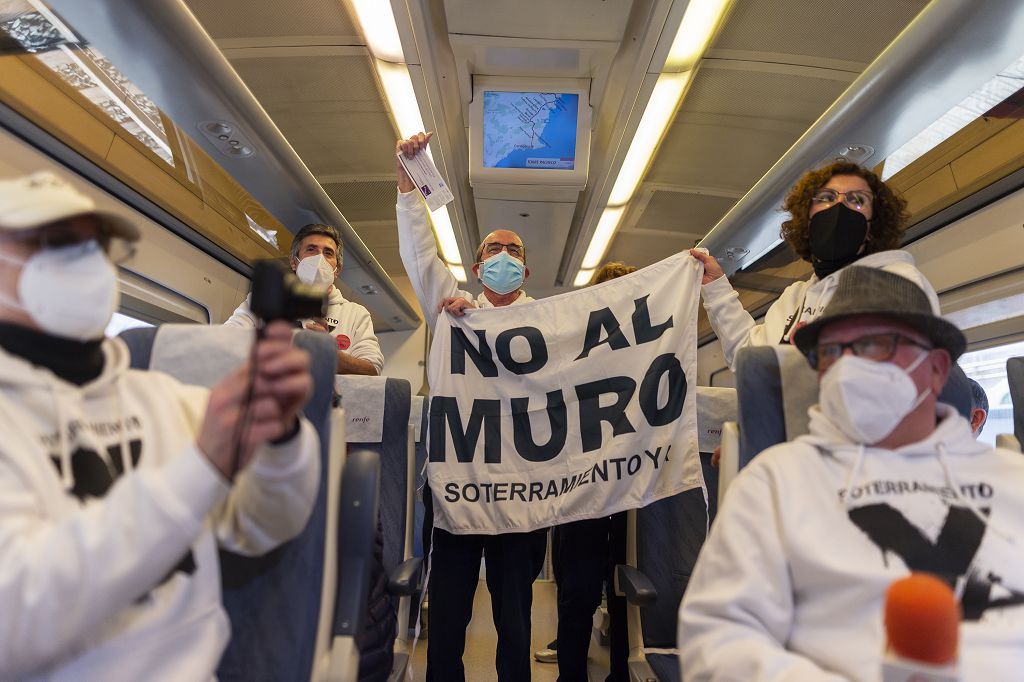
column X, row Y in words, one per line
column 277, row 294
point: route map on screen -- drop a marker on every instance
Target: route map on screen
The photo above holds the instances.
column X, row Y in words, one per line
column 530, row 130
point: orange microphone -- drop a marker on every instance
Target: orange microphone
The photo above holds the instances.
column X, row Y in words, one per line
column 922, row 623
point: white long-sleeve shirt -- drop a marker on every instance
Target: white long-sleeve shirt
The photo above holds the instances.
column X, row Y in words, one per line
column 803, row 300
column 790, row 585
column 108, row 564
column 431, row 280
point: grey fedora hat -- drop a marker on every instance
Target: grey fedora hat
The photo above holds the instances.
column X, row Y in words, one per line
column 870, row 291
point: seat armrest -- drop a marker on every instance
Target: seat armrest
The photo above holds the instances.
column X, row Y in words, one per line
column 404, row 580
column 634, row 585
column 729, row 462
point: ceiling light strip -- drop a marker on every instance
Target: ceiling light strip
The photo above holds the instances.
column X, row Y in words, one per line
column 380, row 29
column 700, row 21
column 381, row 33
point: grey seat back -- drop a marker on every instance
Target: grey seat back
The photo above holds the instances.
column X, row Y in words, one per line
column 272, row 601
column 1015, row 379
column 670, row 532
column 775, row 386
column 393, row 452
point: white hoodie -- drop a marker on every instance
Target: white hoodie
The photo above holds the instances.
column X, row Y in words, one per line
column 791, row 582
column 124, row 584
column 430, row 278
column 736, row 329
column 350, row 325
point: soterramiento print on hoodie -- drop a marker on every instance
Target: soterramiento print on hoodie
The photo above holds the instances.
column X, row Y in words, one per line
column 110, row 520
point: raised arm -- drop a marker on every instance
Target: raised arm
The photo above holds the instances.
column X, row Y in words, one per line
column 732, row 324
column 431, row 279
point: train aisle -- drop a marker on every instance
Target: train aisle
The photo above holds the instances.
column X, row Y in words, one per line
column 481, row 640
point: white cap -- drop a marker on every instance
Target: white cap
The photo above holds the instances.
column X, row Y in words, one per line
column 43, row 198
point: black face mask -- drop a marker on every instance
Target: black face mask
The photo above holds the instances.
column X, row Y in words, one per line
column 837, row 234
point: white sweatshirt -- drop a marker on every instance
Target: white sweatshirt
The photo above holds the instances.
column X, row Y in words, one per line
column 124, row 583
column 736, row 329
column 791, row 582
column 431, row 280
column 350, row 325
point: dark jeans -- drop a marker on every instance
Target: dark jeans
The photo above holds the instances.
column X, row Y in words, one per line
column 585, row 554
column 514, row 560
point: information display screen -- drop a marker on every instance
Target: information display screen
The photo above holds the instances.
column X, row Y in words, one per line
column 532, row 130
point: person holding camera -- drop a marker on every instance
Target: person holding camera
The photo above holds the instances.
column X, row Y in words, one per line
column 316, row 258
column 514, row 560
column 116, row 485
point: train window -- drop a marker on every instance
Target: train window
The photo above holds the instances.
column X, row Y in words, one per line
column 121, row 322
column 988, row 368
column 143, row 299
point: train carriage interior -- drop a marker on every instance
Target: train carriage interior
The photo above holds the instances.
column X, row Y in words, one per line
column 220, row 127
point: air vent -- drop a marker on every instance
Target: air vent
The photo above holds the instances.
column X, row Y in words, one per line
column 734, row 253
column 227, row 139
column 854, row 153
column 369, row 290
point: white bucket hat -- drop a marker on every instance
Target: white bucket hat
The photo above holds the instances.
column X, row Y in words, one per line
column 43, row 198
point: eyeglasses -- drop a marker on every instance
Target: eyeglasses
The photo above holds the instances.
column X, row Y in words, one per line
column 494, row 248
column 877, row 347
column 63, row 234
column 856, row 199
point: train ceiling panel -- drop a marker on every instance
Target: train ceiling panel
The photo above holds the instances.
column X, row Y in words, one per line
column 232, row 19
column 854, row 33
column 328, row 106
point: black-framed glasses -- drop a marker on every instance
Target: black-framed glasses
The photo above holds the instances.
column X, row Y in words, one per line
column 64, row 234
column 494, row 248
column 877, row 347
column 857, row 199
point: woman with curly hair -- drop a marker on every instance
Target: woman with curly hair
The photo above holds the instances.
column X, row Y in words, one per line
column 839, row 215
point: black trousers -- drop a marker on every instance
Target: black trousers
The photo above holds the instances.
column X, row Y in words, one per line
column 514, row 560
column 585, row 554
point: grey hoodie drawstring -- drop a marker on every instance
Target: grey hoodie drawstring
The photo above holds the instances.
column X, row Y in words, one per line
column 851, row 478
column 126, row 455
column 66, row 478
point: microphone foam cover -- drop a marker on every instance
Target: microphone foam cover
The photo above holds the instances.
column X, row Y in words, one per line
column 922, row 619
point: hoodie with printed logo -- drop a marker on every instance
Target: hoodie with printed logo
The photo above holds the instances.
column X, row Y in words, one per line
column 110, row 519
column 799, row 304
column 791, row 583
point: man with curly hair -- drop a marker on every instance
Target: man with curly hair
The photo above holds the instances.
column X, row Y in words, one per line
column 839, row 215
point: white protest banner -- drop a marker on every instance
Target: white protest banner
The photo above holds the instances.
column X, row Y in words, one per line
column 566, row 408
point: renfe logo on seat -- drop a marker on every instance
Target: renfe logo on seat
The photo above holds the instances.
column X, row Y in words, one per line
column 568, row 407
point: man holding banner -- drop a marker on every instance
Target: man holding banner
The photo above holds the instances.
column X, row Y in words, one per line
column 514, row 559
column 545, row 412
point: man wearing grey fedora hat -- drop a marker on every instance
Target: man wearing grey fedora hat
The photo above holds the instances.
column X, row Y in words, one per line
column 792, row 580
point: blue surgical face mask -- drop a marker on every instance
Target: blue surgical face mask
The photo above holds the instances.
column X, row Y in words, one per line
column 502, row 273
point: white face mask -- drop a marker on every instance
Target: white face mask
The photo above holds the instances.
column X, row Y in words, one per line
column 70, row 291
column 867, row 400
column 315, row 270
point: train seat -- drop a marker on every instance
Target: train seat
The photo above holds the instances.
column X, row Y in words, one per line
column 273, row 609
column 1015, row 379
column 663, row 540
column 775, row 386
column 378, row 409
